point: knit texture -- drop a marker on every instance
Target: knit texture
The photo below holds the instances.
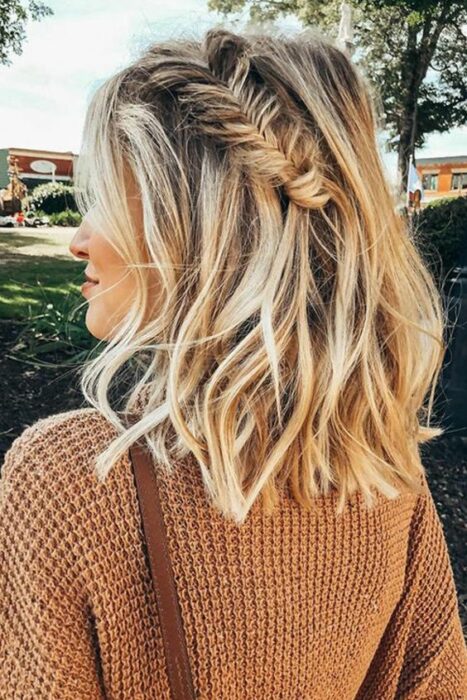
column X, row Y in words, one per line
column 303, row 606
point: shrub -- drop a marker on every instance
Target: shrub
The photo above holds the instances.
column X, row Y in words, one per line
column 56, row 333
column 65, row 218
column 52, row 197
column 39, row 212
column 441, row 235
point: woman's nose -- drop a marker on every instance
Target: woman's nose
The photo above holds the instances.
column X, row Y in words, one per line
column 79, row 244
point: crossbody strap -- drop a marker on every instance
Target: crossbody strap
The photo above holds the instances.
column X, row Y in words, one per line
column 178, row 666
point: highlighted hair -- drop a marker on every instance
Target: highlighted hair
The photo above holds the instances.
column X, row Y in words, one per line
column 298, row 331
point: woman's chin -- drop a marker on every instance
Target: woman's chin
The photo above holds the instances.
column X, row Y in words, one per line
column 95, row 328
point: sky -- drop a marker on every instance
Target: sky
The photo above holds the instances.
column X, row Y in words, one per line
column 45, row 91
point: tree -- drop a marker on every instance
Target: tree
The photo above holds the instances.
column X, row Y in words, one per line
column 414, row 53
column 13, row 17
column 52, row 197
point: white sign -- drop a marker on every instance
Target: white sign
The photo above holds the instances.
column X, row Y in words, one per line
column 43, row 166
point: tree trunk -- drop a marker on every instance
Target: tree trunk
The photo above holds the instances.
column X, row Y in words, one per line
column 410, row 78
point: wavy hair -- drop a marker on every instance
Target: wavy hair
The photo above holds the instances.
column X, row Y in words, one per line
column 298, row 330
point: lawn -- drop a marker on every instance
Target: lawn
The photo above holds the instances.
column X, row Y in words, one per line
column 37, row 268
column 39, row 336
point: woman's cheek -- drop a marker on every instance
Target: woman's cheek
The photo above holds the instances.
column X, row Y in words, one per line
column 109, row 307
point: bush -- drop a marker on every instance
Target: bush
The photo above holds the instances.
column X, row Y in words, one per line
column 65, row 218
column 39, row 212
column 52, row 197
column 57, row 333
column 441, row 235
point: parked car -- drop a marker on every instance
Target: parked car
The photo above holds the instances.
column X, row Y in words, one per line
column 8, row 221
column 36, row 221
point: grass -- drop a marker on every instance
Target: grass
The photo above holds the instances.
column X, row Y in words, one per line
column 40, row 293
column 29, row 283
column 37, row 269
column 12, row 240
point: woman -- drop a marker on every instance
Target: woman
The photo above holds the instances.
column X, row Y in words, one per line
column 276, row 333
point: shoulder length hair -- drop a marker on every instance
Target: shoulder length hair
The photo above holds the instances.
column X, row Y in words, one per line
column 298, row 331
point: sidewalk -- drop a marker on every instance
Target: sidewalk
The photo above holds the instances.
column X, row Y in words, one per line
column 21, row 241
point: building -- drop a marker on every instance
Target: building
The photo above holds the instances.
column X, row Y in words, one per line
column 37, row 167
column 445, row 176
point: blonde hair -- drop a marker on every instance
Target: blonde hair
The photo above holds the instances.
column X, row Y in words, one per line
column 298, row 330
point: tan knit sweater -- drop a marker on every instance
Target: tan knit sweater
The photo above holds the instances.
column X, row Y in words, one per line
column 302, row 606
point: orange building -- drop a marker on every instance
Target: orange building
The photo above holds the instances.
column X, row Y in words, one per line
column 37, row 167
column 441, row 177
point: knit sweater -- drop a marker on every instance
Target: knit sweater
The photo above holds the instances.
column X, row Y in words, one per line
column 302, row 605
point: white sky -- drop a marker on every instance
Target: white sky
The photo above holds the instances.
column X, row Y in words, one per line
column 45, row 91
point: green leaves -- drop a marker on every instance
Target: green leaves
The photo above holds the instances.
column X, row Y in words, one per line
column 413, row 52
column 56, row 334
column 441, row 235
column 53, row 197
column 13, row 18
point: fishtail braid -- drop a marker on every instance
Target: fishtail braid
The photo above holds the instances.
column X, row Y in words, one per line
column 234, row 112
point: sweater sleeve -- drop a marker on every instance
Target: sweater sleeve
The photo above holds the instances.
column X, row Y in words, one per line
column 46, row 627
column 422, row 653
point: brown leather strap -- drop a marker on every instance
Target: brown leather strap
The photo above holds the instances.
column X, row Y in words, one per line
column 178, row 666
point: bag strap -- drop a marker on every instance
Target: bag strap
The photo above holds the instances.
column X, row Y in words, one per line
column 178, row 666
